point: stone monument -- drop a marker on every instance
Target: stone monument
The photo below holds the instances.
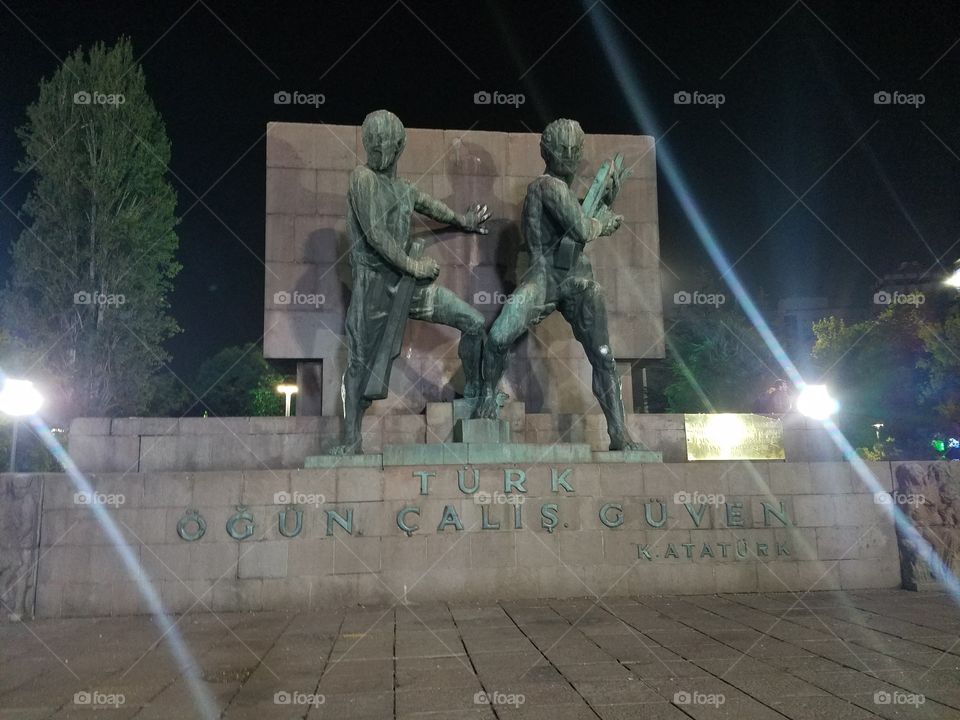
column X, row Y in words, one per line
column 222, row 513
column 548, row 377
column 391, row 282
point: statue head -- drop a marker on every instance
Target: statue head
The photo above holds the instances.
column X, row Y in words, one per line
column 383, row 139
column 561, row 147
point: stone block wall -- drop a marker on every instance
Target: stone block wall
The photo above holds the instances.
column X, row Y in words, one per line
column 20, row 504
column 197, row 444
column 582, row 530
column 928, row 494
column 308, row 166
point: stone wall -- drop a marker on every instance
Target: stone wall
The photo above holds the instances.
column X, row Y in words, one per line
column 20, row 502
column 583, row 530
column 928, row 494
column 308, row 166
column 199, row 444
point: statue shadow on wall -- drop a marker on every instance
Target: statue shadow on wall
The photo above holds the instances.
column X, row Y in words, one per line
column 325, row 249
column 494, row 261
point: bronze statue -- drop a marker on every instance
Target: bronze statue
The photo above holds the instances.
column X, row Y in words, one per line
column 555, row 228
column 391, row 282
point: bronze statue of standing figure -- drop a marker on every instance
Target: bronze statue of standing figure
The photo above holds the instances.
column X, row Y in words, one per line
column 556, row 227
column 391, row 282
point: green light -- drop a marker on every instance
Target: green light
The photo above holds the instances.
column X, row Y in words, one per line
column 938, row 445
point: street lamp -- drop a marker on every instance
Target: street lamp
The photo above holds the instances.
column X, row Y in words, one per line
column 815, row 402
column 17, row 399
column 954, row 279
column 288, row 391
column 878, row 426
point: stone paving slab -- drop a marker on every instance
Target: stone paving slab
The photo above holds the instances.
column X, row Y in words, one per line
column 872, row 654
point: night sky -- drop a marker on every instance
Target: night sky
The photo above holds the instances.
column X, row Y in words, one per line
column 881, row 181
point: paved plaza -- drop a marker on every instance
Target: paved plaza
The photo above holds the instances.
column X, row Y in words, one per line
column 849, row 655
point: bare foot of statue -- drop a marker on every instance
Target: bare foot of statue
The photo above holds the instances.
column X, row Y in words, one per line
column 624, row 443
column 489, row 405
column 348, row 449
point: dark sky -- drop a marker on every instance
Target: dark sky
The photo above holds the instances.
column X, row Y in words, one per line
column 798, row 78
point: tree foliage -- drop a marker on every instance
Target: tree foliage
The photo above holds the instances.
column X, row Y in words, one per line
column 718, row 360
column 93, row 267
column 875, row 370
column 238, row 382
column 900, row 368
column 941, row 342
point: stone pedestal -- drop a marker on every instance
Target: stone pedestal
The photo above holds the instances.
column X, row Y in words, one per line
column 628, row 456
column 372, row 460
column 478, row 452
column 437, row 533
column 481, row 430
column 463, row 408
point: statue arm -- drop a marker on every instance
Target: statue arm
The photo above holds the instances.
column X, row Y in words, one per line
column 434, row 209
column 563, row 206
column 472, row 221
column 370, row 210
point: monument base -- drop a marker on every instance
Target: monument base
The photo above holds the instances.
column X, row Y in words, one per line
column 196, row 444
column 482, row 453
column 325, row 538
column 932, row 586
column 372, row 460
column 481, row 430
column 627, row 456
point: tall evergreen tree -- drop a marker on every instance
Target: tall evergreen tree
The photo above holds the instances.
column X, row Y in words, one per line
column 93, row 269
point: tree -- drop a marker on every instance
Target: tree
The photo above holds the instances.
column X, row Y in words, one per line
column 874, row 369
column 718, row 360
column 941, row 341
column 237, row 382
column 92, row 270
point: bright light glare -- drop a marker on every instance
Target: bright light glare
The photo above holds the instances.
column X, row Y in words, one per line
column 287, row 389
column 726, row 431
column 815, row 402
column 954, row 280
column 19, row 397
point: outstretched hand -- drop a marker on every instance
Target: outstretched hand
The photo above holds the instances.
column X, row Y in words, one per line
column 474, row 219
column 609, row 221
column 426, row 269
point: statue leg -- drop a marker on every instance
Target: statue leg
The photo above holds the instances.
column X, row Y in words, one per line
column 437, row 304
column 586, row 311
column 517, row 315
column 364, row 326
column 354, row 407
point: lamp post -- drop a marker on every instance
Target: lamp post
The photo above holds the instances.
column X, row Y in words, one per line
column 289, row 391
column 878, row 426
column 18, row 398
